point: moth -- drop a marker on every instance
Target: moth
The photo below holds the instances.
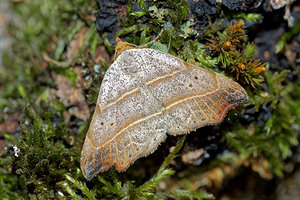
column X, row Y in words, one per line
column 145, row 95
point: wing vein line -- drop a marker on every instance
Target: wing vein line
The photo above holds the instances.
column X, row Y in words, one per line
column 136, row 89
column 132, row 146
column 230, row 94
column 125, row 154
column 193, row 100
column 150, row 116
column 209, row 108
column 207, row 118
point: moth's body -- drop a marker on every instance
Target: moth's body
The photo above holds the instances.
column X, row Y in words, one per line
column 146, row 94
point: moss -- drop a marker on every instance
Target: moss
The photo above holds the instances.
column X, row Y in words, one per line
column 8, row 180
column 287, row 36
column 48, row 149
column 48, row 146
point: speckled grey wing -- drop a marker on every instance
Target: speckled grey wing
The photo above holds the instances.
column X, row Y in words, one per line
column 145, row 94
column 128, row 122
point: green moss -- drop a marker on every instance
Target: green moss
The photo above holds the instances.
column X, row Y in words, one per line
column 276, row 138
column 250, row 17
column 41, row 27
column 9, row 188
column 228, row 49
column 287, row 36
column 48, row 149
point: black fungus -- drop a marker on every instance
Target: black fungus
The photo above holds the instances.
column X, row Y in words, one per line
column 108, row 16
column 265, row 113
column 202, row 10
column 241, row 5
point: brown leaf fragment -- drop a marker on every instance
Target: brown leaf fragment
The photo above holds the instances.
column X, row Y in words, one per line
column 71, row 95
column 101, row 55
column 10, row 124
column 276, row 4
column 2, row 143
column 192, row 157
column 262, row 167
column 76, row 43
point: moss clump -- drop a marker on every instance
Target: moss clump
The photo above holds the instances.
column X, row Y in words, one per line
column 236, row 58
column 274, row 138
column 48, row 150
column 9, row 188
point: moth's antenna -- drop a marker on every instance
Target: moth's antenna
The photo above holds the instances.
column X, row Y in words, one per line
column 122, row 46
column 144, row 45
column 169, row 42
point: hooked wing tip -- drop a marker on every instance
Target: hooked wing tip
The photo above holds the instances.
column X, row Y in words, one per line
column 90, row 162
column 91, row 168
column 87, row 167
